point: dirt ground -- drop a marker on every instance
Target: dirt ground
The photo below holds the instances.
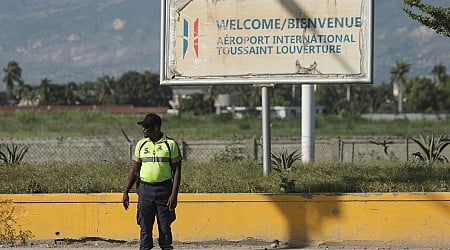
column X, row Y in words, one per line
column 94, row 243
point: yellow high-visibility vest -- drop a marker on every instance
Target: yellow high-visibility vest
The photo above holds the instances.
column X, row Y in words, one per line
column 156, row 158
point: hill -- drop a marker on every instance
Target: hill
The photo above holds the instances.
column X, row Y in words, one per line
column 81, row 40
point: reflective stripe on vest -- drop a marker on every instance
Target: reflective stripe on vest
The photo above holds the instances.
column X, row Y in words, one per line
column 155, row 159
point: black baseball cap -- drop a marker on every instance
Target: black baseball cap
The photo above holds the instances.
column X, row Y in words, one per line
column 150, row 120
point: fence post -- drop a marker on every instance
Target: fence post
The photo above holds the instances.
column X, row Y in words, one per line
column 353, row 151
column 130, row 152
column 255, row 149
column 407, row 149
column 130, row 144
column 341, row 150
column 184, row 149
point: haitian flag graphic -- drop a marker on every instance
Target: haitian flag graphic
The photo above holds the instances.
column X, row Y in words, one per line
column 186, row 37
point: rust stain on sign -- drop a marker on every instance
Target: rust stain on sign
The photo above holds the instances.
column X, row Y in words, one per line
column 207, row 39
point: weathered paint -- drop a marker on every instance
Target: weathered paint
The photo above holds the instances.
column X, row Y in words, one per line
column 412, row 219
column 231, row 41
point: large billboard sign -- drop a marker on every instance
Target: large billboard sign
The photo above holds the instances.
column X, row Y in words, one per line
column 266, row 41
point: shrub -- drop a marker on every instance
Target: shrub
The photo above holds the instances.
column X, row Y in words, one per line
column 10, row 231
column 284, row 160
column 431, row 147
column 12, row 154
column 232, row 153
column 237, row 177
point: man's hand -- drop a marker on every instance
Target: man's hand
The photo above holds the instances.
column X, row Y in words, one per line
column 125, row 201
column 172, row 202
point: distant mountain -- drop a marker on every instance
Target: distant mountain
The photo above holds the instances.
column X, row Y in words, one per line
column 81, row 40
column 396, row 37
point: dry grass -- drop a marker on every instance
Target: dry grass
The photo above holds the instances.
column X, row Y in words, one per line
column 234, row 177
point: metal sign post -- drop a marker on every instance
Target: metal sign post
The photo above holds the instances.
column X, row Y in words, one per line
column 206, row 42
column 265, row 116
column 308, row 122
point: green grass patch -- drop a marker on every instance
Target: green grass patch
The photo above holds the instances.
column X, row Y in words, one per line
column 63, row 178
column 219, row 177
column 236, row 177
column 102, row 124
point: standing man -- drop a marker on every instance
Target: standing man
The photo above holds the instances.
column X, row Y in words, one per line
column 156, row 167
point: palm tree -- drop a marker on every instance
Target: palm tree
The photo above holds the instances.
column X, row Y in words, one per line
column 209, row 98
column 105, row 89
column 13, row 74
column 398, row 79
column 439, row 73
column 44, row 91
column 254, row 97
column 70, row 93
column 26, row 95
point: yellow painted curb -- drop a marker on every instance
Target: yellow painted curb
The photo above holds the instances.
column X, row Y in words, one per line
column 408, row 219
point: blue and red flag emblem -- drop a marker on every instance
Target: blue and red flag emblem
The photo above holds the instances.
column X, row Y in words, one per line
column 186, row 36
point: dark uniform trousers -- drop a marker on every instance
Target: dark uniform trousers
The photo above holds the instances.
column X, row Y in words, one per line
column 152, row 202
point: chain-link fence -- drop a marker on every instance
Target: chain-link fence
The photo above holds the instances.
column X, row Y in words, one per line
column 120, row 149
column 71, row 150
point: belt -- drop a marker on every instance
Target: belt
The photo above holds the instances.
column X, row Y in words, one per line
column 156, row 183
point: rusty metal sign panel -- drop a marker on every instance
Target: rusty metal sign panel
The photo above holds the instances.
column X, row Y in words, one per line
column 266, row 41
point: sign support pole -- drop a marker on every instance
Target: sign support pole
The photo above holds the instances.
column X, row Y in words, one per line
column 265, row 114
column 308, row 123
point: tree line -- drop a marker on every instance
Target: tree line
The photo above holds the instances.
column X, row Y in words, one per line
column 138, row 89
column 420, row 94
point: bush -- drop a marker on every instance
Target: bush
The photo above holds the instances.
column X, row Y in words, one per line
column 63, row 178
column 284, row 160
column 432, row 148
column 236, row 177
column 12, row 154
column 232, row 153
column 10, row 231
